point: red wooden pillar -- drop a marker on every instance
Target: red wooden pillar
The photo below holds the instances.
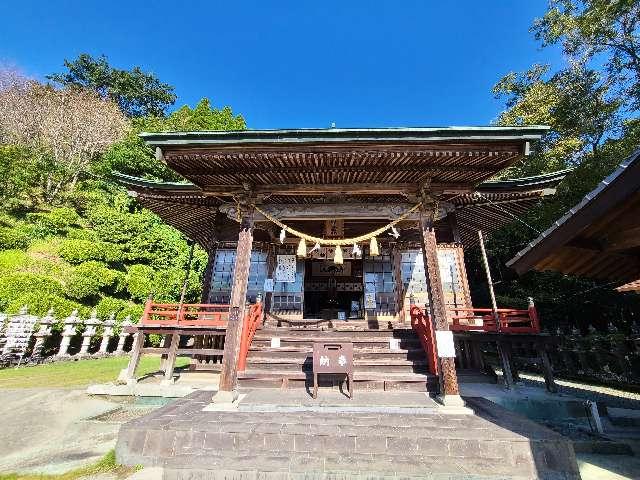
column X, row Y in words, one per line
column 228, row 377
column 448, row 377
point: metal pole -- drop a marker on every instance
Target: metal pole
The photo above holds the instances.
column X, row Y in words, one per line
column 494, row 306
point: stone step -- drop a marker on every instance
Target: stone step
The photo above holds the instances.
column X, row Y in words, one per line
column 193, row 443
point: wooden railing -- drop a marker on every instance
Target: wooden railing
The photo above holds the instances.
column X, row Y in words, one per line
column 185, row 315
column 423, row 326
column 251, row 323
column 483, row 319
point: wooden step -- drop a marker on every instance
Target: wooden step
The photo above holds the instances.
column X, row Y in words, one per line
column 365, row 342
column 324, row 334
column 359, row 353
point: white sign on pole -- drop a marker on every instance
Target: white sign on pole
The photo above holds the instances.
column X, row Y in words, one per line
column 444, row 344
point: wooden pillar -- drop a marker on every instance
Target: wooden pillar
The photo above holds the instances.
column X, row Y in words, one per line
column 547, row 369
column 208, row 274
column 271, row 268
column 504, row 350
column 136, row 353
column 452, row 219
column 228, row 377
column 170, row 363
column 396, row 255
column 448, row 378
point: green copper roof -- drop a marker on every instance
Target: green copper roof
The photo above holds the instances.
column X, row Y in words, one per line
column 333, row 135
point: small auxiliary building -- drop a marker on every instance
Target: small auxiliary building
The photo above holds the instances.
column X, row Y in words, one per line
column 338, row 233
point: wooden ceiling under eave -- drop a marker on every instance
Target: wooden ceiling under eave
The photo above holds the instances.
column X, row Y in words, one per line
column 598, row 238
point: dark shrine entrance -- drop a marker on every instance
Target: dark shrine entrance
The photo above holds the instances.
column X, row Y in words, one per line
column 333, row 292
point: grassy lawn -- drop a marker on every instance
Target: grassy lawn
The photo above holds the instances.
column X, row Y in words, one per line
column 75, row 374
column 106, row 465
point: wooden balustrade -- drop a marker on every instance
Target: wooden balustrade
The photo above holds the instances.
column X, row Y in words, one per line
column 185, row 315
column 482, row 319
column 251, row 323
column 423, row 327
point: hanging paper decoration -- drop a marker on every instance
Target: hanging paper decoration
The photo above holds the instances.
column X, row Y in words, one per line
column 337, row 257
column 302, row 248
column 356, row 250
column 394, row 232
column 315, row 247
column 282, row 235
column 373, row 247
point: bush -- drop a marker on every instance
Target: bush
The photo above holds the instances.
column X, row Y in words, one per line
column 89, row 278
column 139, row 281
column 15, row 237
column 39, row 304
column 11, row 260
column 161, row 247
column 108, row 305
column 15, row 285
column 78, row 251
column 57, row 221
column 120, row 226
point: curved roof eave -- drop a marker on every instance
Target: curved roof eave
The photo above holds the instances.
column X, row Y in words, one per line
column 414, row 134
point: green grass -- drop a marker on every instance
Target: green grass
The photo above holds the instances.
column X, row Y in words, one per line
column 75, row 374
column 105, row 465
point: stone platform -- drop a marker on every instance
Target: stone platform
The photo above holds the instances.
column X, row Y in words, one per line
column 382, row 441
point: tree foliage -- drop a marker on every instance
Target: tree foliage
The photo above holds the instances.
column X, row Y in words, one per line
column 590, row 103
column 606, row 31
column 64, row 130
column 137, row 93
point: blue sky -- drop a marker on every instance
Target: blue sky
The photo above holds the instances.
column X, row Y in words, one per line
column 296, row 63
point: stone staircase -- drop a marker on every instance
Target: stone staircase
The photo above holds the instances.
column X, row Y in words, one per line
column 191, row 443
column 376, row 365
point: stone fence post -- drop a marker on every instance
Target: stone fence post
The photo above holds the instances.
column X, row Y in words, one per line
column 107, row 333
column 43, row 332
column 123, row 335
column 90, row 329
column 68, row 333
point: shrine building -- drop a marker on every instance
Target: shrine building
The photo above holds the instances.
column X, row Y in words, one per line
column 339, row 234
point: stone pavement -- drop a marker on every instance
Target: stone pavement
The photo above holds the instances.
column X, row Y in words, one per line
column 194, row 444
column 45, row 431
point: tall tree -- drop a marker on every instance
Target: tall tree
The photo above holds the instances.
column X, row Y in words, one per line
column 66, row 129
column 605, row 31
column 136, row 92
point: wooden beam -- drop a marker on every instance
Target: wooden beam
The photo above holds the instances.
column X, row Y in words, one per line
column 311, row 189
column 304, row 211
column 229, row 374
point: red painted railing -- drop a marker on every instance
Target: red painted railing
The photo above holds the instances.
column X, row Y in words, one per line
column 185, row 315
column 482, row 319
column 251, row 323
column 423, row 326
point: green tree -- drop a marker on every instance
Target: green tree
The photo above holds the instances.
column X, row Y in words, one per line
column 136, row 92
column 601, row 31
column 133, row 157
